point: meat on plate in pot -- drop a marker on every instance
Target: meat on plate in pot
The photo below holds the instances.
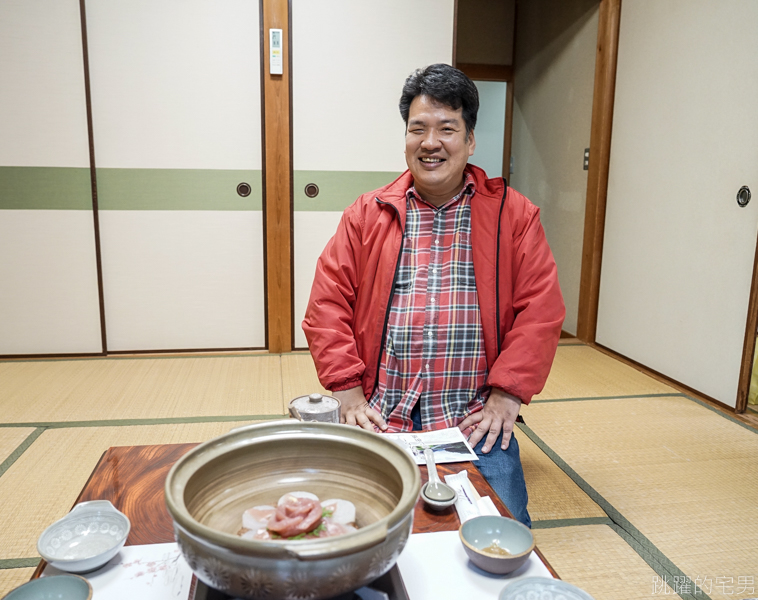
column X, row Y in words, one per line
column 298, row 515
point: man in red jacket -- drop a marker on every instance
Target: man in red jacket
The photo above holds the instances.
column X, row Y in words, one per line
column 436, row 304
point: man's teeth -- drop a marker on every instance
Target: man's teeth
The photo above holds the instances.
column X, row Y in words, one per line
column 431, row 160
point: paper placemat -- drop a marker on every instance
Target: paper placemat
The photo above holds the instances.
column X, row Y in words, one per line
column 147, row 572
column 434, row 566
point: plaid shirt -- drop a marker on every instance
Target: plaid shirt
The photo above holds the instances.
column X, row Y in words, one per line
column 434, row 350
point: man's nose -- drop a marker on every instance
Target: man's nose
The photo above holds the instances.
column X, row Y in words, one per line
column 430, row 141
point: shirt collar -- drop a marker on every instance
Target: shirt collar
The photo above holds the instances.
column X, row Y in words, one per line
column 469, row 187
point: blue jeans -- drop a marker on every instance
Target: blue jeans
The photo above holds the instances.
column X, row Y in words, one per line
column 501, row 469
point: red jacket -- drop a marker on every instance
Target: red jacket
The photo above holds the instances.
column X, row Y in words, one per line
column 516, row 280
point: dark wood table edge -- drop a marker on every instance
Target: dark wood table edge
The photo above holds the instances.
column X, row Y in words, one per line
column 443, row 468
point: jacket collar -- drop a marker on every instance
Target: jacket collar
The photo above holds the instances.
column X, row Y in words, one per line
column 394, row 193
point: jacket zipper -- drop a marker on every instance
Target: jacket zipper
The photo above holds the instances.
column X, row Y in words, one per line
column 497, row 268
column 389, row 302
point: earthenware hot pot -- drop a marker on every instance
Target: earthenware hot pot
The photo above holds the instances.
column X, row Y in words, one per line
column 209, row 488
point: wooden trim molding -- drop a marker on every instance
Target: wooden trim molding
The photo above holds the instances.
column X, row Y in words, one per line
column 748, row 348
column 480, row 72
column 508, row 131
column 93, row 178
column 597, row 177
column 277, row 132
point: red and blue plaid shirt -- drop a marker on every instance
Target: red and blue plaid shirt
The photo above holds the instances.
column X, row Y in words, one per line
column 434, row 350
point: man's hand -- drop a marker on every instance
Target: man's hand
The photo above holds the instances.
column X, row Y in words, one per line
column 356, row 411
column 499, row 414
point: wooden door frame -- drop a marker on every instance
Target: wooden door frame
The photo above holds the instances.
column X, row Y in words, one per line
column 480, row 72
column 276, row 97
column 748, row 348
column 597, row 178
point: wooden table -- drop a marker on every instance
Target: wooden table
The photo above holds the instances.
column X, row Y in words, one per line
column 133, row 477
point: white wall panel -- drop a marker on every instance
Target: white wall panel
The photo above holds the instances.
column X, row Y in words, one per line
column 350, row 60
column 314, row 229
column 42, row 102
column 176, row 86
column 175, row 83
column 182, row 279
column 48, row 283
column 678, row 251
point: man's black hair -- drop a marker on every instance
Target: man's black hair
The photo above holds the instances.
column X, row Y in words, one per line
column 446, row 85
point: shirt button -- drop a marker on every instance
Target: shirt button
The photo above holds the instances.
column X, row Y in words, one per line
column 427, row 367
column 430, row 334
column 432, row 300
column 436, row 241
column 434, row 270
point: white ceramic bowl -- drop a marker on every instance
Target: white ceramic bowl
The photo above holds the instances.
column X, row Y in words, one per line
column 542, row 588
column 513, row 540
column 86, row 538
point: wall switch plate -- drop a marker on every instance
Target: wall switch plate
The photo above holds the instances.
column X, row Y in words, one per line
column 586, row 159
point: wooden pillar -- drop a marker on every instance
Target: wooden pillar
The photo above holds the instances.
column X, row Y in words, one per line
column 597, row 177
column 277, row 178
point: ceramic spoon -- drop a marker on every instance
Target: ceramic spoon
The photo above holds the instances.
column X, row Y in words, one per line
column 435, row 493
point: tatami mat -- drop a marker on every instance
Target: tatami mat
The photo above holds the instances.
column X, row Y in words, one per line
column 299, row 377
column 12, row 438
column 596, row 559
column 580, row 372
column 12, row 578
column 45, row 481
column 552, row 494
column 140, row 388
column 680, row 473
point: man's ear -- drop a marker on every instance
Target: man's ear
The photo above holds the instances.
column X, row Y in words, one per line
column 472, row 143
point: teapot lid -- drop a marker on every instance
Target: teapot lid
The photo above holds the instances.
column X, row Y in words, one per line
column 315, row 404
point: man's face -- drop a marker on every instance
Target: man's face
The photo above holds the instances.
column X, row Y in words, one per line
column 437, row 149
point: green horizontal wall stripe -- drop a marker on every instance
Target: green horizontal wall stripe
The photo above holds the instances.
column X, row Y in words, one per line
column 45, row 188
column 130, row 422
column 177, row 189
column 16, row 454
column 62, row 188
column 554, row 523
column 337, row 189
column 655, row 559
column 19, row 563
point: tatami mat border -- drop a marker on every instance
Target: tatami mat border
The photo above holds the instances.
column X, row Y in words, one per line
column 168, row 355
column 553, row 523
column 156, row 421
column 723, row 414
column 668, row 395
column 19, row 563
column 626, row 397
column 648, row 551
column 22, row 447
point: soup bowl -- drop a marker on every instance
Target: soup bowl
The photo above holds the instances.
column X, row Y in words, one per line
column 209, row 488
